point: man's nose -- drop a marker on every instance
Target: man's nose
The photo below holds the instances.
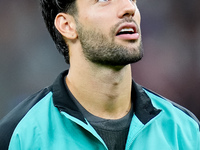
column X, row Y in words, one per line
column 126, row 8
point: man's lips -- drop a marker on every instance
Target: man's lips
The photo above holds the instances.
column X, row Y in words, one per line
column 128, row 31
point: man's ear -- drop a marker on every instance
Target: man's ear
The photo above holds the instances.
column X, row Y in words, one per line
column 65, row 24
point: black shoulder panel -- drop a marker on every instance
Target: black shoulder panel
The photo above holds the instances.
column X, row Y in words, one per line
column 186, row 111
column 11, row 120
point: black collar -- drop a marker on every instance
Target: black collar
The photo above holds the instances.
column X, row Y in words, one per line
column 143, row 107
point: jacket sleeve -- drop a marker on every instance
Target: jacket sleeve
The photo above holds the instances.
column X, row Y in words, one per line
column 15, row 143
column 26, row 140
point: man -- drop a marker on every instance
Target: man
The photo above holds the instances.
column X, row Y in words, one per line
column 96, row 104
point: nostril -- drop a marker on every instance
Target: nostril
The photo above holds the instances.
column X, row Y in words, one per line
column 127, row 9
column 126, row 14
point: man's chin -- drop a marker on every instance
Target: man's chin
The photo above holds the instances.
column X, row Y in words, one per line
column 117, row 62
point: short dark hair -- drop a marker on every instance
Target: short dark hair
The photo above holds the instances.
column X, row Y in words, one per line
column 50, row 9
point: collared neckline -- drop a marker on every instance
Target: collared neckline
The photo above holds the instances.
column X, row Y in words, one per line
column 142, row 105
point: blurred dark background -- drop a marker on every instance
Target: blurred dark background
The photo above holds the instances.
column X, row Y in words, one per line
column 29, row 60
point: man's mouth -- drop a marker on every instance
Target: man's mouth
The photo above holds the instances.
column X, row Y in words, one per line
column 128, row 31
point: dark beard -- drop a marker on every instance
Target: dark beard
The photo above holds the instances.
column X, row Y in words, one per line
column 97, row 48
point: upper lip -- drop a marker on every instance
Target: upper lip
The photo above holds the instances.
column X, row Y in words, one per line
column 127, row 25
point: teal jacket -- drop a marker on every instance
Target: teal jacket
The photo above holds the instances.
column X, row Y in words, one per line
column 50, row 120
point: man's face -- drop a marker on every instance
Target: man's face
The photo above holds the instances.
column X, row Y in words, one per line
column 109, row 31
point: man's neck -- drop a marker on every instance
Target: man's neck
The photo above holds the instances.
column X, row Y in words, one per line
column 104, row 92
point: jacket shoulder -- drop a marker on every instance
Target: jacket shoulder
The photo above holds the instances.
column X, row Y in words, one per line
column 165, row 103
column 12, row 119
